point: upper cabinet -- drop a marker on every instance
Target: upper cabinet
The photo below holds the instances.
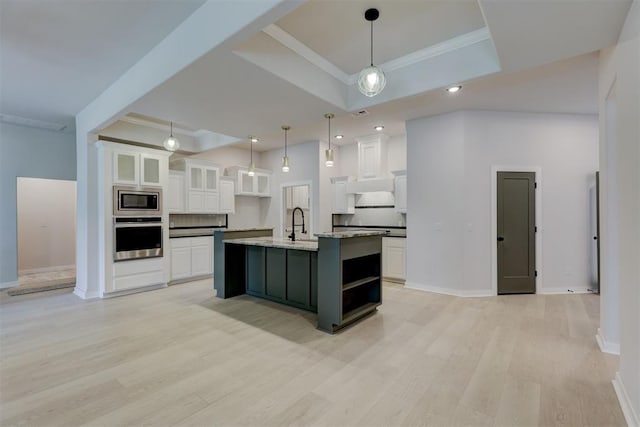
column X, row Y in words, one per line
column 201, row 183
column 227, row 196
column 371, row 160
column 343, row 202
column 136, row 168
column 175, row 196
column 258, row 185
column 400, row 190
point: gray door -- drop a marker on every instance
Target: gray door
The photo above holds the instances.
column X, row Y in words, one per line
column 516, row 238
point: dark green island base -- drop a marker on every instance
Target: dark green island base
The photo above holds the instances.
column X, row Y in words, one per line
column 338, row 277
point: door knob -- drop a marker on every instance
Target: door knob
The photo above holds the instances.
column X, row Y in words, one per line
column 500, row 238
column 595, row 237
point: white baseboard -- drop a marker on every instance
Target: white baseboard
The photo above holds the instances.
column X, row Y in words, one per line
column 46, row 269
column 564, row 291
column 82, row 293
column 447, row 291
column 133, row 290
column 5, row 285
column 606, row 346
column 630, row 415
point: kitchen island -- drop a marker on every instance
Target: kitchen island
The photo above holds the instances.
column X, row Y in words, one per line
column 338, row 276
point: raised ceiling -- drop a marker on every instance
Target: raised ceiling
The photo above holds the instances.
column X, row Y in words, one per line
column 337, row 30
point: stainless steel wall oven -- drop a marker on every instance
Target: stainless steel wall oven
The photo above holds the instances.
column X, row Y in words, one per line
column 136, row 238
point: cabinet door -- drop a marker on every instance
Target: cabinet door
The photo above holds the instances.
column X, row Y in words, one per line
column 394, row 258
column 201, row 256
column 175, row 197
column 150, row 170
column 301, row 197
column 276, row 273
column 245, row 182
column 401, row 194
column 298, row 278
column 180, row 258
column 125, row 168
column 263, row 184
column 195, row 177
column 211, row 202
column 369, row 159
column 343, row 203
column 255, row 270
column 211, row 179
column 195, row 201
column 227, row 197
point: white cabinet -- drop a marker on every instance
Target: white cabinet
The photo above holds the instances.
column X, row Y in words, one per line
column 258, row 185
column 400, row 191
column 227, row 196
column 191, row 257
column 394, row 255
column 175, row 192
column 132, row 168
column 201, row 184
column 298, row 197
column 371, row 156
column 343, row 202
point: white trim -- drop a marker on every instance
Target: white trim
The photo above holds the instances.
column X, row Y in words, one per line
column 447, row 291
column 606, row 346
column 494, row 222
column 564, row 290
column 133, row 290
column 630, row 416
column 6, row 285
column 82, row 293
column 159, row 126
column 306, row 52
column 46, row 269
column 284, row 185
column 330, row 68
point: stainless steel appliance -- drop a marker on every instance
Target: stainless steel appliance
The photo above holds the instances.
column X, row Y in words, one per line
column 136, row 238
column 138, row 202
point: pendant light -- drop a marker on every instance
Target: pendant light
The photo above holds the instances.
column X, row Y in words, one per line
column 171, row 143
column 285, row 159
column 371, row 80
column 252, row 167
column 329, row 152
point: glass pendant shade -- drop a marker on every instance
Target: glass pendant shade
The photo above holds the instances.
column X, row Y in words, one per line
column 171, row 143
column 329, row 156
column 252, row 169
column 371, row 81
column 285, row 164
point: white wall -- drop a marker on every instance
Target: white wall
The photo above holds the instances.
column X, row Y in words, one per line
column 248, row 212
column 449, row 195
column 620, row 308
column 46, row 242
column 27, row 152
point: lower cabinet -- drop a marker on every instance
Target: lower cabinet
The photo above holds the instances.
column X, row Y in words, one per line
column 191, row 257
column 283, row 275
column 394, row 255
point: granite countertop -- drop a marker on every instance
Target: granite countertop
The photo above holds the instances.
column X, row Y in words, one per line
column 350, row 234
column 276, row 242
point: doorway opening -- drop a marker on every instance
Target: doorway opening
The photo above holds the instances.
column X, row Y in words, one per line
column 46, row 234
column 296, row 195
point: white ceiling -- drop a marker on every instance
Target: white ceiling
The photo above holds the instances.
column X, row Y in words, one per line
column 56, row 56
column 263, row 82
column 338, row 31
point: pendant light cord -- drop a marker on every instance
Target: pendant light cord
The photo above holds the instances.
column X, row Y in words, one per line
column 171, row 129
column 285, row 142
column 329, row 133
column 251, row 142
column 372, row 43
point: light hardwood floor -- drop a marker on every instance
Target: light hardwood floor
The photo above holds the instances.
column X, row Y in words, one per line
column 181, row 356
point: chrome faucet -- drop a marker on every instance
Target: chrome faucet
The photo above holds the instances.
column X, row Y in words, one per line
column 292, row 236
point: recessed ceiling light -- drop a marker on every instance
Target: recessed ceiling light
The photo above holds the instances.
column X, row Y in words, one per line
column 339, row 136
column 379, row 127
column 454, row 89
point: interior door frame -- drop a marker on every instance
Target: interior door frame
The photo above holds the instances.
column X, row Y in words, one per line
column 494, row 223
column 283, row 208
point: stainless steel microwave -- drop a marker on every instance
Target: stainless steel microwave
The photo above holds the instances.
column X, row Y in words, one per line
column 132, row 201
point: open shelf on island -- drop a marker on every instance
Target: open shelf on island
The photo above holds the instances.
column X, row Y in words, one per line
column 359, row 282
column 359, row 312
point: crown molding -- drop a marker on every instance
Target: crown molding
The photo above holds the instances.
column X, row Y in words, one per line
column 307, row 53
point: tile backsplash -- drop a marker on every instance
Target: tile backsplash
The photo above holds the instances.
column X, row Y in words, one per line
column 382, row 217
column 196, row 220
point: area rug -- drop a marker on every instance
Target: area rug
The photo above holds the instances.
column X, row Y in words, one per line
column 48, row 285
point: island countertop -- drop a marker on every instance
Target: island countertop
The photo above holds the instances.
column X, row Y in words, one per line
column 276, row 242
column 350, row 234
